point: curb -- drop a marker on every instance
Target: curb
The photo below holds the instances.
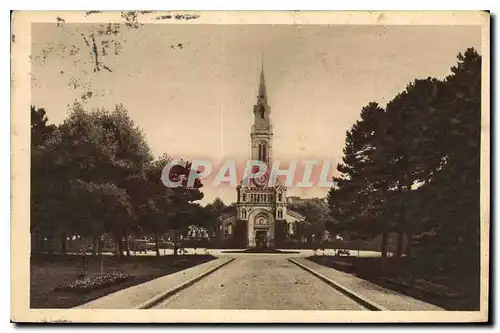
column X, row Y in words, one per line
column 346, row 291
column 162, row 296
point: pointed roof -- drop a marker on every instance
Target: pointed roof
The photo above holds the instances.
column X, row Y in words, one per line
column 262, row 86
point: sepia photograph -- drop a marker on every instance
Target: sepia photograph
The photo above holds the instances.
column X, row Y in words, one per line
column 250, row 166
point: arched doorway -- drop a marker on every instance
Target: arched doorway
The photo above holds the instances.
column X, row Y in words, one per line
column 261, row 226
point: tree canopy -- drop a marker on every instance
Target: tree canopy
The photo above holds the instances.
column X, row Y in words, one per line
column 413, row 166
column 95, row 174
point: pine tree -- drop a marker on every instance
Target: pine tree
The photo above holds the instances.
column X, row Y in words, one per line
column 453, row 194
column 360, row 200
column 409, row 143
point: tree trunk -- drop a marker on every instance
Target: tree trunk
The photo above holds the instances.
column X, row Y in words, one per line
column 127, row 246
column 175, row 242
column 399, row 245
column 37, row 244
column 33, row 242
column 94, row 245
column 64, row 243
column 408, row 244
column 408, row 228
column 42, row 243
column 127, row 241
column 309, row 240
column 157, row 245
column 100, row 243
column 51, row 243
column 383, row 246
column 120, row 247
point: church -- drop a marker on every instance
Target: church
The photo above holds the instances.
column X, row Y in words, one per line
column 261, row 218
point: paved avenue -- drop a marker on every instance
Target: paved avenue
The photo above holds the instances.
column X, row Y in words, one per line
column 260, row 282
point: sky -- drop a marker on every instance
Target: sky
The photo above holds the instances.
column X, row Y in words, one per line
column 195, row 100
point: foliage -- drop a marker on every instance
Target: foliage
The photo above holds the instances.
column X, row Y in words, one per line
column 413, row 167
column 40, row 130
column 452, row 197
column 151, row 200
column 94, row 174
column 316, row 212
column 215, row 209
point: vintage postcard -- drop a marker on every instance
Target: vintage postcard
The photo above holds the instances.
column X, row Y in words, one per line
column 250, row 167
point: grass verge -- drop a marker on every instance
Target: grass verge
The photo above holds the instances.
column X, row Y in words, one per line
column 450, row 291
column 52, row 274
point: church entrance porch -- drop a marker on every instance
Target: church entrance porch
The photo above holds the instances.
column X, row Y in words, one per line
column 260, row 229
column 261, row 239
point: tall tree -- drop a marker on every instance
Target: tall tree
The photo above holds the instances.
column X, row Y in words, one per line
column 362, row 185
column 101, row 149
column 452, row 212
column 408, row 146
column 151, row 199
column 423, row 151
column 181, row 197
column 47, row 193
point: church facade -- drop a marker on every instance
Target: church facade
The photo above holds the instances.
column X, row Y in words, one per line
column 261, row 218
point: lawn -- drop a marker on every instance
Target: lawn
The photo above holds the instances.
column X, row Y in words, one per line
column 458, row 292
column 50, row 272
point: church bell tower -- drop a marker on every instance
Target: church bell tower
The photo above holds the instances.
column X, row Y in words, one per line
column 261, row 218
column 261, row 134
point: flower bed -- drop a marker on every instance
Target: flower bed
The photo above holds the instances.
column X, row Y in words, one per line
column 93, row 282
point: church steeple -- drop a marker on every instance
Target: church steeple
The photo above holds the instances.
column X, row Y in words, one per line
column 262, row 109
column 262, row 87
column 262, row 131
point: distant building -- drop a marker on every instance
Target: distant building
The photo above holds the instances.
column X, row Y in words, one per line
column 261, row 218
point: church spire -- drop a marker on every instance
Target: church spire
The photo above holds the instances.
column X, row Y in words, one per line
column 262, row 87
column 261, row 129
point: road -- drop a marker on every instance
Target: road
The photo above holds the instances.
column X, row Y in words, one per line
column 260, row 282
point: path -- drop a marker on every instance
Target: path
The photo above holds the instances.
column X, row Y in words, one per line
column 260, row 282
